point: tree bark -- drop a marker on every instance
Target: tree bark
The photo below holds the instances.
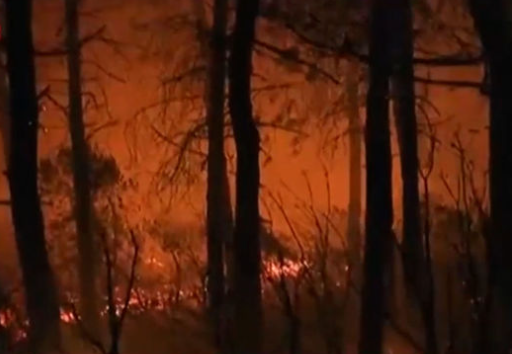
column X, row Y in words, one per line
column 4, row 112
column 379, row 206
column 219, row 218
column 354, row 241
column 247, row 292
column 492, row 21
column 83, row 208
column 355, row 170
column 413, row 252
column 4, row 92
column 407, row 132
column 40, row 290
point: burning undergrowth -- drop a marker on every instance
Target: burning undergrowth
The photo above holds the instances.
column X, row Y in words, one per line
column 156, row 267
column 160, row 268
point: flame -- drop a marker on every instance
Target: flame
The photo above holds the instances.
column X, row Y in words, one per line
column 274, row 269
column 5, row 318
column 142, row 300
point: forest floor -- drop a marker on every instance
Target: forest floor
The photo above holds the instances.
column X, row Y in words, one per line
column 184, row 332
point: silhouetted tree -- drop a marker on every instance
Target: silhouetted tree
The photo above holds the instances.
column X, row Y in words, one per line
column 83, row 209
column 404, row 102
column 355, row 174
column 379, row 206
column 493, row 23
column 355, row 168
column 219, row 218
column 4, row 90
column 406, row 125
column 247, row 291
column 40, row 292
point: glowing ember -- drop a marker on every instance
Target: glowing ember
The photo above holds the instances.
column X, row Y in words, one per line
column 5, row 318
column 67, row 316
column 142, row 300
column 153, row 261
column 274, row 269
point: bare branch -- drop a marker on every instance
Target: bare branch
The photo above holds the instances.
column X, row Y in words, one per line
column 175, row 144
column 46, row 94
column 131, row 281
column 196, row 70
column 348, row 49
column 96, row 343
column 450, row 83
column 287, row 55
column 104, row 70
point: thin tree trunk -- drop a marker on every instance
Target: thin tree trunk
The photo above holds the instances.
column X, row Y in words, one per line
column 407, row 132
column 413, row 253
column 379, row 206
column 428, row 304
column 83, row 209
column 4, row 112
column 40, row 290
column 219, row 217
column 229, row 257
column 248, row 314
column 493, row 22
column 4, row 92
column 355, row 189
column 355, row 170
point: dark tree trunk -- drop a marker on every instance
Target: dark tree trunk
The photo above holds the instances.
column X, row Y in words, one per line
column 4, row 112
column 407, row 132
column 40, row 291
column 413, row 252
column 4, row 92
column 379, row 206
column 355, row 188
column 83, row 208
column 355, row 174
column 229, row 258
column 493, row 22
column 247, row 292
column 219, row 218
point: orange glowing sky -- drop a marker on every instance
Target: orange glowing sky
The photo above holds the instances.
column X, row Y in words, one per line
column 463, row 109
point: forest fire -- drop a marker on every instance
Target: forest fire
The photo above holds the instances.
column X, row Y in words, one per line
column 142, row 300
column 201, row 176
column 274, row 269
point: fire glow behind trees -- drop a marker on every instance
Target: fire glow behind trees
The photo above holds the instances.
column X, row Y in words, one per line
column 148, row 79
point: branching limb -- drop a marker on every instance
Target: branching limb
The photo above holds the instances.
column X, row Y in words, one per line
column 95, row 342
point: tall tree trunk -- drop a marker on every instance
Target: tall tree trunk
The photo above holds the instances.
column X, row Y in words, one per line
column 83, row 208
column 413, row 253
column 4, row 111
column 493, row 22
column 355, row 189
column 219, row 218
column 248, row 314
column 40, row 290
column 355, row 170
column 379, row 205
column 4, row 91
column 407, row 132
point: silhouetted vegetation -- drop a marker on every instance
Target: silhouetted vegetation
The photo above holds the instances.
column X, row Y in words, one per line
column 256, row 176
